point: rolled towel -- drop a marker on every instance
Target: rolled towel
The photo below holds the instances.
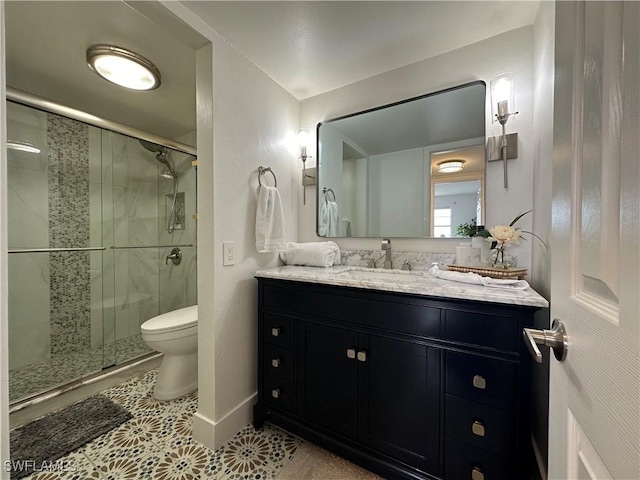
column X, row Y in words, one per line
column 476, row 279
column 311, row 254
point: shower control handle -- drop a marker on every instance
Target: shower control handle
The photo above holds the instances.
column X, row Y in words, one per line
column 175, row 256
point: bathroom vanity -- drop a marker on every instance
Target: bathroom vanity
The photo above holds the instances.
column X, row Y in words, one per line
column 405, row 374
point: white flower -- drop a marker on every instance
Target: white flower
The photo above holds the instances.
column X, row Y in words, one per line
column 504, row 235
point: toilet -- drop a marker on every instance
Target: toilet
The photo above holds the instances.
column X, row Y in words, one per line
column 175, row 334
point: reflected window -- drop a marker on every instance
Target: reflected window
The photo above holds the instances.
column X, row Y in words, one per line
column 442, row 222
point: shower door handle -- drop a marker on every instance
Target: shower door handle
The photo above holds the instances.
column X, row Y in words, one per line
column 175, row 256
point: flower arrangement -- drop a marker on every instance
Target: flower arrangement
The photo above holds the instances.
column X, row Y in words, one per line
column 503, row 236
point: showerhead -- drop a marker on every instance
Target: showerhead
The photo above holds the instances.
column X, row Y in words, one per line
column 152, row 147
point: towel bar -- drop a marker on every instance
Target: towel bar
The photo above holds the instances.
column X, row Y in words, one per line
column 262, row 170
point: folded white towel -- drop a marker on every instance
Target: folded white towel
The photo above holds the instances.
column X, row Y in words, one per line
column 329, row 224
column 476, row 279
column 270, row 227
column 311, row 254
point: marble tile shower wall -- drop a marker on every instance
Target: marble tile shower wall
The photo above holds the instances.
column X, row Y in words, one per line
column 68, row 161
column 28, row 224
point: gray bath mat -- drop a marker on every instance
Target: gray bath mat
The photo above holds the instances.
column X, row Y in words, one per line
column 36, row 445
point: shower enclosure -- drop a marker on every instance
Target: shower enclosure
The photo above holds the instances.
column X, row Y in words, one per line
column 93, row 216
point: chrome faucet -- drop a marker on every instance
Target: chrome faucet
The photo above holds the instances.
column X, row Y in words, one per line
column 386, row 245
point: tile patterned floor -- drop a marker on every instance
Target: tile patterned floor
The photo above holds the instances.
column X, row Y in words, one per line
column 157, row 444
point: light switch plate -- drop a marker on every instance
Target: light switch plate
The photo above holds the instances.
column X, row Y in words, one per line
column 228, row 253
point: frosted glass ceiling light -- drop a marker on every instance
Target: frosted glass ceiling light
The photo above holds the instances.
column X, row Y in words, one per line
column 123, row 67
column 451, row 166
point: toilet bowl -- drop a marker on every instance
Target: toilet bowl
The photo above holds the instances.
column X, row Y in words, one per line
column 175, row 334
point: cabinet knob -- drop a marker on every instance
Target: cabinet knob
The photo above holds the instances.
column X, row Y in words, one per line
column 275, row 331
column 275, row 393
column 362, row 356
column 477, row 428
column 275, row 362
column 479, row 382
column 476, row 474
column 351, row 353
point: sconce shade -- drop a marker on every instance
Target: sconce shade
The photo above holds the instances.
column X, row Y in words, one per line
column 451, row 166
column 502, row 96
column 123, row 67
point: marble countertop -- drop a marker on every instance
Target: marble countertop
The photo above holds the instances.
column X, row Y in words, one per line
column 414, row 282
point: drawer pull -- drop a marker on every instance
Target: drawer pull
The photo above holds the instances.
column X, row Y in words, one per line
column 351, row 353
column 275, row 362
column 275, row 393
column 275, row 332
column 362, row 356
column 477, row 428
column 476, row 474
column 479, row 382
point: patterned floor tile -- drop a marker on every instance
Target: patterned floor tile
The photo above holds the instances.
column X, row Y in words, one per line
column 74, row 466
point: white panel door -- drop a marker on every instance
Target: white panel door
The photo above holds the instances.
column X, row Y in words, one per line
column 594, row 419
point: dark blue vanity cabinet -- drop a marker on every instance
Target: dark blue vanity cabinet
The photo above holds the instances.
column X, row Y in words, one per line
column 408, row 386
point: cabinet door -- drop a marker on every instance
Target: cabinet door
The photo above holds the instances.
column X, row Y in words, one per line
column 327, row 377
column 399, row 395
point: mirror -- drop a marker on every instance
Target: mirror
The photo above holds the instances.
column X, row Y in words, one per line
column 380, row 171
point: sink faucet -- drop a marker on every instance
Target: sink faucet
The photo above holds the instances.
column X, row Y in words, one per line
column 386, row 245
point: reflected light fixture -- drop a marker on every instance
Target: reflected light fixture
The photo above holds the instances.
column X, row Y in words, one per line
column 307, row 179
column 22, row 146
column 123, row 67
column 503, row 98
column 451, row 166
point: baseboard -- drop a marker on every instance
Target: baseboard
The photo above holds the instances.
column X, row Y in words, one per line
column 213, row 434
column 542, row 467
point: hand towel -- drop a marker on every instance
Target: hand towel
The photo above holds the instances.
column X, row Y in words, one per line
column 329, row 224
column 270, row 227
column 311, row 254
column 474, row 278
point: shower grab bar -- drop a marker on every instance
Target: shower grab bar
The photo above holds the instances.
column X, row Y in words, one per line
column 50, row 250
column 124, row 247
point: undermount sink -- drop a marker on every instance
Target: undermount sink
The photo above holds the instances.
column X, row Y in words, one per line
column 390, row 275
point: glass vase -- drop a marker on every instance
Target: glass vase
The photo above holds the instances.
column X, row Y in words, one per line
column 500, row 259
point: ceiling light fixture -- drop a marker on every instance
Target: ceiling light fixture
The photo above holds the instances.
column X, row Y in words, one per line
column 22, row 146
column 451, row 166
column 123, row 67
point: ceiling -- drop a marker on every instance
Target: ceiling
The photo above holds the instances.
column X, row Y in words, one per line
column 313, row 47
column 307, row 47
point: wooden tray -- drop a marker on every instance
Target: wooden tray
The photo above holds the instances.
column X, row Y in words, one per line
column 517, row 273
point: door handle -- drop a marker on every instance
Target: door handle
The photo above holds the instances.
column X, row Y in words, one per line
column 556, row 339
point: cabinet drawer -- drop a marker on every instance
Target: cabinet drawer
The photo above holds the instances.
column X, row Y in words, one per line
column 482, row 379
column 498, row 332
column 464, row 462
column 279, row 392
column 278, row 361
column 278, row 330
column 482, row 426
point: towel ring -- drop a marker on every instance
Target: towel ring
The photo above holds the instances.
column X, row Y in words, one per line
column 262, row 170
column 326, row 191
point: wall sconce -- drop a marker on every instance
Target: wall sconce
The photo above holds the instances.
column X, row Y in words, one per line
column 451, row 166
column 503, row 98
column 308, row 176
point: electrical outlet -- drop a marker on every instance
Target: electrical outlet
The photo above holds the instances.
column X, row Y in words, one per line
column 228, row 253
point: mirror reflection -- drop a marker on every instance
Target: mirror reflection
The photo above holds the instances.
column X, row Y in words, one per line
column 378, row 170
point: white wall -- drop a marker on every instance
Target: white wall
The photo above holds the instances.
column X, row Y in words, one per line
column 511, row 51
column 244, row 120
column 4, row 316
column 543, row 58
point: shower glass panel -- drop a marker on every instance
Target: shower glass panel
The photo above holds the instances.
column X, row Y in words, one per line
column 102, row 201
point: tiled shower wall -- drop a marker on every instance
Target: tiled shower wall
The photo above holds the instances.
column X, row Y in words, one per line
column 70, row 295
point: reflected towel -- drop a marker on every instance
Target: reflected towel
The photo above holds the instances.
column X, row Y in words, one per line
column 311, row 254
column 329, row 224
column 476, row 279
column 270, row 227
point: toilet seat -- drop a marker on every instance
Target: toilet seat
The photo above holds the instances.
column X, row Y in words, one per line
column 171, row 321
